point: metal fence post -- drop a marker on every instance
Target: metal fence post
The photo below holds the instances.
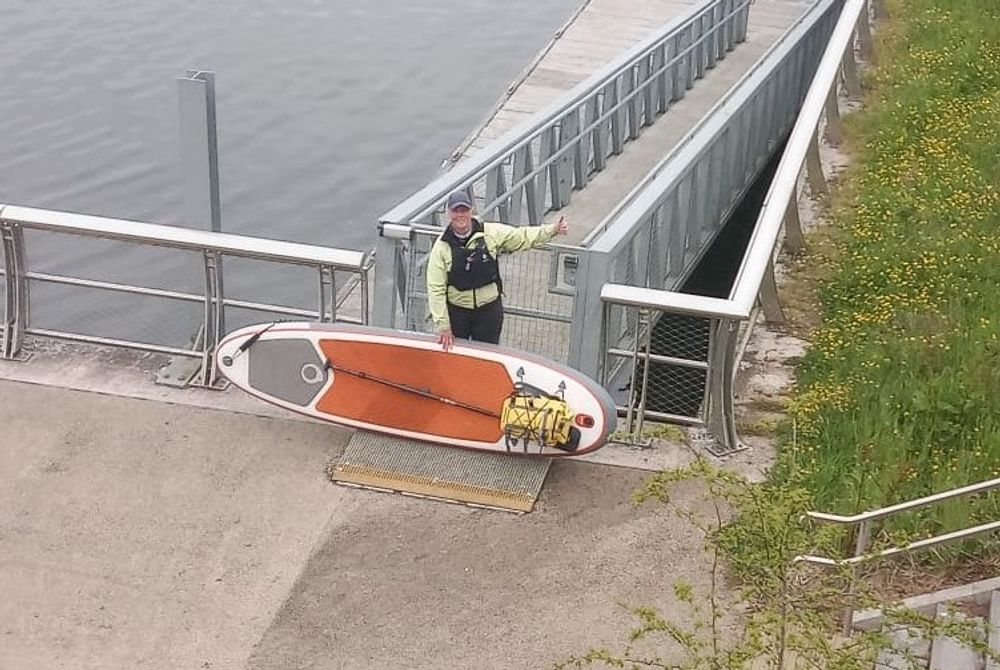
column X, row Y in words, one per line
column 814, row 168
column 860, row 547
column 794, row 240
column 851, row 80
column 593, row 272
column 389, row 290
column 834, row 133
column 212, row 321
column 769, row 299
column 16, row 296
column 721, row 416
column 865, row 34
column 327, row 308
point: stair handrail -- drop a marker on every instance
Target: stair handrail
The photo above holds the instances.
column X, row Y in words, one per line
column 865, row 520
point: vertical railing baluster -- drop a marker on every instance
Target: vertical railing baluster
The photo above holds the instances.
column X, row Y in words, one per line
column 581, row 151
column 676, row 59
column 599, row 134
column 632, row 103
column 662, row 83
column 16, row 296
column 644, row 323
column 211, row 318
column 617, row 117
column 569, row 130
column 648, row 84
column 690, row 54
column 548, row 177
column 713, row 20
column 701, row 50
column 520, row 168
column 496, row 188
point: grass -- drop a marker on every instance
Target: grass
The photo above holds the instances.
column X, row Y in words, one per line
column 899, row 395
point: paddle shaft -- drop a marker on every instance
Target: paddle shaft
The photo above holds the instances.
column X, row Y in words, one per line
column 423, row 393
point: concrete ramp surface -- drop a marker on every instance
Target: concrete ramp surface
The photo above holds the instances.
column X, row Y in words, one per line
column 142, row 534
column 136, row 534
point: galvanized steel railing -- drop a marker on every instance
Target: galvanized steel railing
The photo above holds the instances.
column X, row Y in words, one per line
column 684, row 375
column 640, row 247
column 865, row 521
column 213, row 248
column 534, row 168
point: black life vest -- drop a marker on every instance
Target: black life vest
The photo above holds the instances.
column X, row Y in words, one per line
column 471, row 267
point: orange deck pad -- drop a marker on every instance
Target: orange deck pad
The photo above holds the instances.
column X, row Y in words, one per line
column 472, row 381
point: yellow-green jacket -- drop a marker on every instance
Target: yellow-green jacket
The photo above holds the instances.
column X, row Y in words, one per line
column 500, row 238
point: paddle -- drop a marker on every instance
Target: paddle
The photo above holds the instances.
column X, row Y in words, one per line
column 423, row 393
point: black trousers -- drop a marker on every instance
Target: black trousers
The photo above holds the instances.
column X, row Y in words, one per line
column 482, row 324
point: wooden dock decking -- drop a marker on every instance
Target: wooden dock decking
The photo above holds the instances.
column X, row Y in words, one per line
column 593, row 36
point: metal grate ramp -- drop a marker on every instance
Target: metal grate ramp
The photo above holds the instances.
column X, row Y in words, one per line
column 497, row 481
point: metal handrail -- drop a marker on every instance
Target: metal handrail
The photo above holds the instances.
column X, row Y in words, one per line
column 903, row 507
column 669, row 301
column 750, row 276
column 865, row 519
column 783, row 187
column 926, row 543
column 153, row 234
column 213, row 247
column 618, row 238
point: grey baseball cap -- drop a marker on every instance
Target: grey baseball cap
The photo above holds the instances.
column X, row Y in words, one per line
column 459, row 199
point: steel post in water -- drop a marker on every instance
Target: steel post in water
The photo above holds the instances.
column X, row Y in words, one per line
column 202, row 204
column 199, row 150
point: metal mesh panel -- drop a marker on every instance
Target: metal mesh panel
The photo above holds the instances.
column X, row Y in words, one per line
column 536, row 320
column 261, row 281
column 100, row 313
column 416, row 283
column 525, row 281
column 674, row 388
column 616, row 373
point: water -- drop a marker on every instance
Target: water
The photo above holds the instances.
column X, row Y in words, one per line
column 329, row 112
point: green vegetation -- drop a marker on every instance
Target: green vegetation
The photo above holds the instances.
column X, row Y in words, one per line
column 898, row 396
column 784, row 615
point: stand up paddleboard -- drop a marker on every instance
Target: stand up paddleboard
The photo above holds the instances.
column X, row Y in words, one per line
column 476, row 396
